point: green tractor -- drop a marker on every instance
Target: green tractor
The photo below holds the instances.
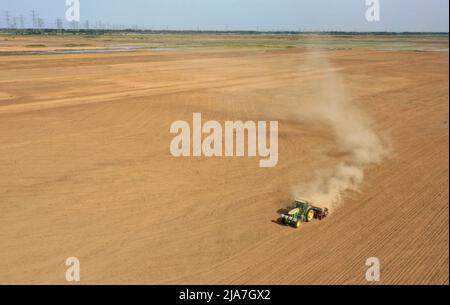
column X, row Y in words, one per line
column 303, row 211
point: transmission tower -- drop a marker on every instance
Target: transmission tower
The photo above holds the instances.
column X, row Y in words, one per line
column 7, row 19
column 33, row 18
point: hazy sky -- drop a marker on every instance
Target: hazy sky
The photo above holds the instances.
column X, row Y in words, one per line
column 348, row 15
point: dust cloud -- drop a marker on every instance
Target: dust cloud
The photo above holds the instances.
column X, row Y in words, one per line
column 329, row 103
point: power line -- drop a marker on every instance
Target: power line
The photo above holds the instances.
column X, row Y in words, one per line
column 33, row 18
column 34, row 21
column 7, row 19
column 22, row 22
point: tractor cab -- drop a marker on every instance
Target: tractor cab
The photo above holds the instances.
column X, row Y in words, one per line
column 300, row 204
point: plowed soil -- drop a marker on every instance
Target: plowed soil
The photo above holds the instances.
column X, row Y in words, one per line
column 85, row 169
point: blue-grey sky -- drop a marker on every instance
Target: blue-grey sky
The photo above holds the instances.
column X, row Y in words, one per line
column 317, row 15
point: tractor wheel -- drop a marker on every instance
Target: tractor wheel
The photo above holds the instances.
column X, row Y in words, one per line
column 297, row 224
column 310, row 215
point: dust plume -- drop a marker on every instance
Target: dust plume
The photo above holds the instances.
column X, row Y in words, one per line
column 328, row 102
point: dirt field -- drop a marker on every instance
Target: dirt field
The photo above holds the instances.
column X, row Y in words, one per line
column 85, row 167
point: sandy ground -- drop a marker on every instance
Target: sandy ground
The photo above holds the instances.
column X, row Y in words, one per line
column 85, row 169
